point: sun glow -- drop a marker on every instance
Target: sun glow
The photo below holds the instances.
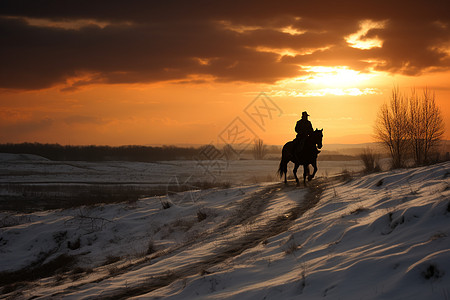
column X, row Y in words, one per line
column 302, row 93
column 321, row 81
column 335, row 77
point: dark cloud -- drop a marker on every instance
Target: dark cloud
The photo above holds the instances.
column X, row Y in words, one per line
column 150, row 41
column 82, row 119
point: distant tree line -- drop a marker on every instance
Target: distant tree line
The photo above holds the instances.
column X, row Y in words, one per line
column 101, row 153
column 151, row 153
column 133, row 153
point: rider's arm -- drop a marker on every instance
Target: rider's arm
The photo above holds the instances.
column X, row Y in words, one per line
column 297, row 127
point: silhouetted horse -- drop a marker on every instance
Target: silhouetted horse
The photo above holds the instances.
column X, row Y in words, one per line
column 308, row 156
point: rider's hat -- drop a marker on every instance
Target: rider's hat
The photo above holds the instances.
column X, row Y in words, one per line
column 304, row 114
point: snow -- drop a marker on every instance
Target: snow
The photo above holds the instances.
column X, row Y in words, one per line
column 21, row 157
column 379, row 236
column 33, row 169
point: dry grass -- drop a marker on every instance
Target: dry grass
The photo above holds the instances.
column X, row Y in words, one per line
column 22, row 197
column 345, row 176
column 150, row 248
column 358, row 210
column 290, row 246
column 36, row 197
column 110, row 259
column 38, row 269
column 201, row 215
column 370, row 160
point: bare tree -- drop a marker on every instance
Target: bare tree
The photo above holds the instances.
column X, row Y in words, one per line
column 259, row 149
column 426, row 125
column 414, row 126
column 229, row 152
column 391, row 127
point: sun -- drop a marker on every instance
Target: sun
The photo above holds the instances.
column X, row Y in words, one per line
column 320, row 81
column 336, row 77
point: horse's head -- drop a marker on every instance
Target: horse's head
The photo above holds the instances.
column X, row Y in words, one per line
column 318, row 135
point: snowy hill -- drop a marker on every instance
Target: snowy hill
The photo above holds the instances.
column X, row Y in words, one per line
column 21, row 157
column 380, row 236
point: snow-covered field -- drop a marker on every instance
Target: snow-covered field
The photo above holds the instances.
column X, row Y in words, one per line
column 26, row 168
column 31, row 182
column 380, row 236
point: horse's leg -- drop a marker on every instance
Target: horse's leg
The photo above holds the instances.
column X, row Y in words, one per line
column 286, row 170
column 310, row 177
column 295, row 173
column 305, row 173
column 314, row 164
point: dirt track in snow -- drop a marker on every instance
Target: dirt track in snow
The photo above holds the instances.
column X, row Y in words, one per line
column 222, row 243
column 256, row 202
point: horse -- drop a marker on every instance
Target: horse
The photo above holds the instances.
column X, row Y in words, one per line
column 308, row 156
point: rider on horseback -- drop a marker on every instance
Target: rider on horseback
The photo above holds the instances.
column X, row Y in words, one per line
column 304, row 129
column 302, row 151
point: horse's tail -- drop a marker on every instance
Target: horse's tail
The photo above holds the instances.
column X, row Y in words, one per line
column 282, row 168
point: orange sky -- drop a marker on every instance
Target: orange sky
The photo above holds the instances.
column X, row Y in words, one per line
column 187, row 75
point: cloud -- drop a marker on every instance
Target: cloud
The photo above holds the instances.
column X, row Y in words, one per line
column 26, row 127
column 82, row 119
column 48, row 43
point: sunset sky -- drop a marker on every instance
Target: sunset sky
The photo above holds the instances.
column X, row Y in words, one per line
column 190, row 72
